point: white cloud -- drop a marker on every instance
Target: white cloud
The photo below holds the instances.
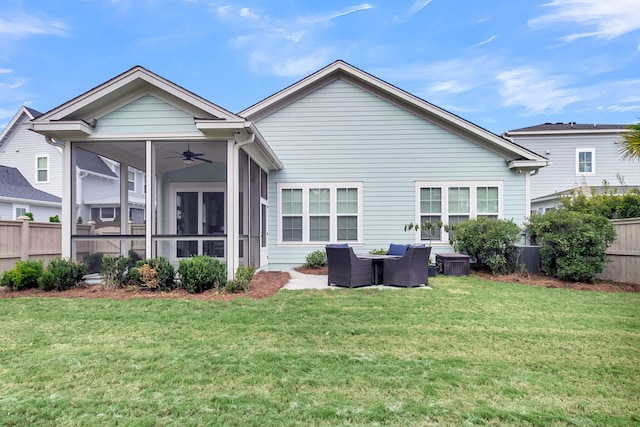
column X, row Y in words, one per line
column 21, row 25
column 416, row 7
column 489, row 40
column 301, row 65
column 605, row 19
column 536, row 92
column 245, row 12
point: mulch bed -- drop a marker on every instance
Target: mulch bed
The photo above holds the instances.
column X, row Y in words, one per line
column 266, row 284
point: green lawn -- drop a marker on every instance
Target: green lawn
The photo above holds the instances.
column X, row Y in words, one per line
column 470, row 352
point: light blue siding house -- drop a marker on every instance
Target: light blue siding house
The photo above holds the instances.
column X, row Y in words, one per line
column 363, row 158
column 339, row 156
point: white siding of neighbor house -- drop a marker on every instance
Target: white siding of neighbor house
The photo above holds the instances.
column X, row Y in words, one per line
column 20, row 152
column 561, row 174
column 344, row 133
column 147, row 114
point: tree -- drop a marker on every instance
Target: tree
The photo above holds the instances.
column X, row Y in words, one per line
column 630, row 144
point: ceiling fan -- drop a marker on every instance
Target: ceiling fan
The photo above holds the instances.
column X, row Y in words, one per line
column 189, row 156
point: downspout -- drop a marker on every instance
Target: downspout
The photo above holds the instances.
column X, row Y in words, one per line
column 236, row 200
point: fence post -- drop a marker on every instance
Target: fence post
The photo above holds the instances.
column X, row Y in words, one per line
column 24, row 238
column 92, row 230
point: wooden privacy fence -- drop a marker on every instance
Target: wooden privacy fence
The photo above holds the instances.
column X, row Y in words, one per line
column 624, row 254
column 25, row 240
column 28, row 241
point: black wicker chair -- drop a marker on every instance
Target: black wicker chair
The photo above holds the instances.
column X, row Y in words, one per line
column 410, row 270
column 346, row 269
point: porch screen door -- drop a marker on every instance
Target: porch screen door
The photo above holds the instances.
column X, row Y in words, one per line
column 200, row 213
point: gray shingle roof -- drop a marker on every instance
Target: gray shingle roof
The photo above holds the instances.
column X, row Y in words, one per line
column 14, row 185
column 92, row 162
column 569, row 126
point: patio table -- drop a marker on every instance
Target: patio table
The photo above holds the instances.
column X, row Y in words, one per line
column 377, row 275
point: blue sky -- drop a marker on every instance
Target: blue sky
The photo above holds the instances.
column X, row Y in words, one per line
column 501, row 64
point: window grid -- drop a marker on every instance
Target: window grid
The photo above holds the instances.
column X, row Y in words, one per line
column 42, row 169
column 585, row 161
column 454, row 202
column 327, row 213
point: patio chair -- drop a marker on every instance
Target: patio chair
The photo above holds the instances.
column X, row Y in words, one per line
column 346, row 269
column 409, row 270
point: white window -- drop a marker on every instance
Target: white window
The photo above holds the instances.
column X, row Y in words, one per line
column 42, row 168
column 320, row 213
column 131, row 181
column 20, row 210
column 455, row 202
column 585, row 161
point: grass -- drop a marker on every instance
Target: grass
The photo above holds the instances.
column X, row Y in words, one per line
column 470, row 352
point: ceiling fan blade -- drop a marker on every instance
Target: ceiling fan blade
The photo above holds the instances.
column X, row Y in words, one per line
column 203, row 160
column 197, row 154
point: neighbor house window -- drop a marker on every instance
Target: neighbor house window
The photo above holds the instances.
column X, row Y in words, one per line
column 455, row 202
column 42, row 169
column 20, row 210
column 131, row 181
column 320, row 213
column 105, row 214
column 585, row 161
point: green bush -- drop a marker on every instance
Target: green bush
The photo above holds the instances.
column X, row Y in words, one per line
column 316, row 259
column 29, row 215
column 54, row 218
column 242, row 280
column 93, row 262
column 114, row 270
column 610, row 204
column 24, row 275
column 490, row 241
column 201, row 273
column 573, row 244
column 153, row 273
column 61, row 274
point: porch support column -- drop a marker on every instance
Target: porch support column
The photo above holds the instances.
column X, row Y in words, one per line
column 233, row 253
column 68, row 201
column 124, row 207
column 148, row 199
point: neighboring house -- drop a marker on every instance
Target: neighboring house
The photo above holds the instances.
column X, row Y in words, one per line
column 582, row 156
column 339, row 156
column 17, row 197
column 40, row 163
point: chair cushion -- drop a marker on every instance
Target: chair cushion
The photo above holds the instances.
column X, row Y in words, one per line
column 395, row 249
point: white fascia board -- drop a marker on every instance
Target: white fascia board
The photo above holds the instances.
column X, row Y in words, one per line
column 264, row 147
column 30, row 202
column 528, row 164
column 63, row 130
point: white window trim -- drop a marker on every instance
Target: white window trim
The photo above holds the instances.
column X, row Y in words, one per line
column 473, row 202
column 48, row 169
column 17, row 206
column 134, row 180
column 104, row 218
column 333, row 214
column 593, row 161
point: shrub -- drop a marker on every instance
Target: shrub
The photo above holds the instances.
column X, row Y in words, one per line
column 61, row 274
column 202, row 272
column 153, row 273
column 54, row 218
column 93, row 262
column 29, row 215
column 242, row 280
column 316, row 259
column 114, row 270
column 490, row 241
column 573, row 244
column 610, row 204
column 25, row 275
